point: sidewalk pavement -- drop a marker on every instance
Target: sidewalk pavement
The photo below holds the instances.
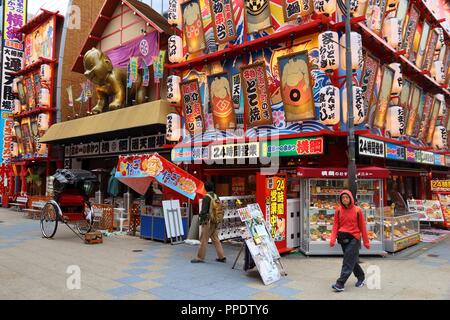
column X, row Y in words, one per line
column 125, row 267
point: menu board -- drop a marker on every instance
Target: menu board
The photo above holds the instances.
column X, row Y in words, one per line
column 428, row 210
column 260, row 243
column 445, row 205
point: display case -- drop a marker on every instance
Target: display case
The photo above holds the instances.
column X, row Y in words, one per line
column 401, row 231
column 230, row 227
column 319, row 198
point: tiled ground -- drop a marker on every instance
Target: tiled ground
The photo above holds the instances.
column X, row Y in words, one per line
column 131, row 268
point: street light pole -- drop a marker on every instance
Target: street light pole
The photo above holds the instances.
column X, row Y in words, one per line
column 349, row 83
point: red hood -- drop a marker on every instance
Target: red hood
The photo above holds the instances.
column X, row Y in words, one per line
column 352, row 201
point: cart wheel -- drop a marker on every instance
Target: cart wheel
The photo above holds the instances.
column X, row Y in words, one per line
column 49, row 220
column 84, row 226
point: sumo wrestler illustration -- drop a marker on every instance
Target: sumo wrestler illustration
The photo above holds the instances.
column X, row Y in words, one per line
column 111, row 82
column 193, row 27
column 222, row 104
column 296, row 89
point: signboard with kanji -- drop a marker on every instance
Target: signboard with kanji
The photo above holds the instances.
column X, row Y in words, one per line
column 293, row 147
column 192, row 107
column 370, row 147
column 235, row 151
column 223, row 20
column 440, row 185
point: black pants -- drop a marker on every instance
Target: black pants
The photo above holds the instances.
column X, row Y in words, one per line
column 350, row 263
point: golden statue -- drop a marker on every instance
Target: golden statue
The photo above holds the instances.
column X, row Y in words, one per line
column 111, row 82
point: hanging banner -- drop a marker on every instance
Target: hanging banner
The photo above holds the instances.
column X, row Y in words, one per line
column 139, row 171
column 193, row 26
column 221, row 102
column 223, row 20
column 236, row 92
column 413, row 110
column 256, row 95
column 375, row 15
column 296, row 87
column 431, row 48
column 419, row 55
column 158, row 66
column 129, row 82
column 192, row 107
column 6, row 127
column 292, row 9
column 134, row 69
column 258, row 15
column 433, row 121
column 404, row 98
column 410, row 30
column 426, row 115
column 276, row 198
column 146, row 75
column 368, row 80
column 384, row 98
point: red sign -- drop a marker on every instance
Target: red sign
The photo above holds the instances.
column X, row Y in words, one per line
column 192, row 107
column 440, row 185
column 342, row 173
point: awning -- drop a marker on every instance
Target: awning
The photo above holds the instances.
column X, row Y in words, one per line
column 341, row 173
column 146, row 114
column 138, row 172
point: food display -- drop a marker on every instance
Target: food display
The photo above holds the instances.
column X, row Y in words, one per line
column 401, row 231
column 445, row 206
column 428, row 210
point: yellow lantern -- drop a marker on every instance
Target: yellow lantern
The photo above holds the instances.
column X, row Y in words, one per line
column 173, row 89
column 398, row 80
column 395, row 121
column 175, row 45
column 329, row 51
column 326, row 7
column 329, row 105
column 440, row 138
column 392, row 32
column 356, row 48
column 173, row 127
column 174, row 13
column 359, row 107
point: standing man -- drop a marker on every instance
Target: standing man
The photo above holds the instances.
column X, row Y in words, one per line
column 349, row 225
column 209, row 228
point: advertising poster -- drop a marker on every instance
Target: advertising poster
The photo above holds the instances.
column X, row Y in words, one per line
column 413, row 110
column 445, row 205
column 223, row 20
column 433, row 120
column 192, row 107
column 258, row 15
column 221, row 101
column 256, row 95
column 193, row 26
column 376, row 12
column 383, row 98
column 368, row 79
column 405, row 97
column 296, row 87
column 428, row 210
column 431, row 48
column 139, row 171
column 422, row 44
column 410, row 30
column 276, row 199
column 292, row 9
column 426, row 114
column 39, row 43
column 260, row 243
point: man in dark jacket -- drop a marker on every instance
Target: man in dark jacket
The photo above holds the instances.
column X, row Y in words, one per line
column 209, row 230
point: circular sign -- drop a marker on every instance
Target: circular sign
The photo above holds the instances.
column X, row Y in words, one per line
column 144, row 47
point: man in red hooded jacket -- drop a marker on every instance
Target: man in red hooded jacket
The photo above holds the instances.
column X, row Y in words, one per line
column 349, row 225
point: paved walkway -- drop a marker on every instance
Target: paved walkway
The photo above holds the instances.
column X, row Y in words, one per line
column 126, row 267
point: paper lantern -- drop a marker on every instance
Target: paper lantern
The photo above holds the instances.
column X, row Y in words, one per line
column 329, row 51
column 15, row 89
column 46, row 72
column 42, row 149
column 440, row 137
column 43, row 121
column 17, row 130
column 173, row 127
column 173, row 89
column 44, row 97
column 17, row 106
column 398, row 79
column 392, row 3
column 14, row 148
column 441, row 38
column 175, row 45
column 392, row 32
column 329, row 105
column 442, row 107
column 359, row 108
column 395, row 121
column 356, row 49
column 361, row 10
column 326, row 7
column 174, row 13
column 438, row 71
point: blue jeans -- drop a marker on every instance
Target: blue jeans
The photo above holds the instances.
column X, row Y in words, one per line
column 350, row 263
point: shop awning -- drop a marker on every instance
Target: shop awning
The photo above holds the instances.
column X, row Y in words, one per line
column 138, row 172
column 341, row 173
column 127, row 118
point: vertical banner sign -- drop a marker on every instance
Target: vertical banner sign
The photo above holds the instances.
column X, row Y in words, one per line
column 221, row 102
column 378, row 8
column 296, row 87
column 434, row 117
column 431, row 48
column 258, row 15
column 422, row 45
column 129, row 82
column 134, row 67
column 146, row 74
column 413, row 110
column 276, row 197
column 14, row 15
column 368, row 79
column 256, row 95
column 223, row 20
column 419, row 115
column 236, row 93
column 383, row 98
column 158, row 66
column 426, row 115
column 193, row 26
column 70, row 95
column 405, row 97
column 192, row 107
column 410, row 30
column 291, row 9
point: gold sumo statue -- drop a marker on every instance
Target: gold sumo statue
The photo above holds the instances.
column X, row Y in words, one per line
column 111, row 82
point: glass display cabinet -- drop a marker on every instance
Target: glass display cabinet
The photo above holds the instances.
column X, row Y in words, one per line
column 319, row 198
column 401, row 232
